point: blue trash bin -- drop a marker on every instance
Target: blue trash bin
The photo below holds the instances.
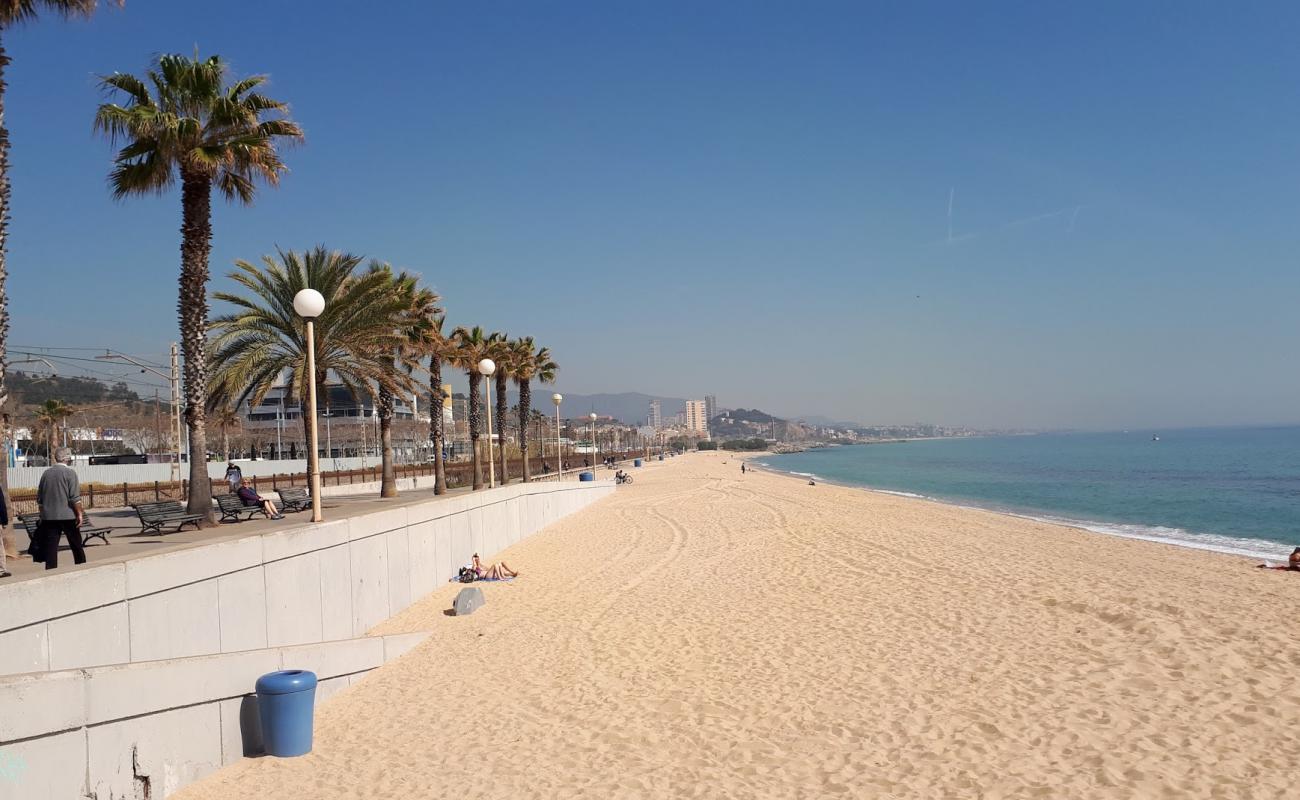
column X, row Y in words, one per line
column 285, row 702
column 636, row 462
column 586, row 476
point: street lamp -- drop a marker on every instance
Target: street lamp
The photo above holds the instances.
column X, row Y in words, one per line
column 309, row 304
column 485, row 368
column 558, row 398
column 594, row 448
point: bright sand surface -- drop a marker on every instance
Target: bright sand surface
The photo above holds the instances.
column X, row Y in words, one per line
column 701, row 634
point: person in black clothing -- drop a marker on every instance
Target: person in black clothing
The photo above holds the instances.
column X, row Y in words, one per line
column 4, row 523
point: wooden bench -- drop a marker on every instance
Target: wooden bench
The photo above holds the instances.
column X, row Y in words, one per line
column 153, row 516
column 294, row 499
column 31, row 522
column 231, row 507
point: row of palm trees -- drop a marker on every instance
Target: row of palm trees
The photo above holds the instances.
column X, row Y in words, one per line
column 379, row 331
column 187, row 122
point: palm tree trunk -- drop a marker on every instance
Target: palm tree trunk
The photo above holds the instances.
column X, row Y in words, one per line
column 388, row 484
column 503, row 410
column 436, row 426
column 196, row 247
column 474, row 419
column 4, row 273
column 525, row 408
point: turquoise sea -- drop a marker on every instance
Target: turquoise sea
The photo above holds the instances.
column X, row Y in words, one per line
column 1234, row 490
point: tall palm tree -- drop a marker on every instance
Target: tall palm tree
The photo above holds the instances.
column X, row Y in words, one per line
column 412, row 326
column 50, row 415
column 499, row 351
column 440, row 350
column 213, row 134
column 264, row 342
column 12, row 13
column 529, row 363
column 471, row 346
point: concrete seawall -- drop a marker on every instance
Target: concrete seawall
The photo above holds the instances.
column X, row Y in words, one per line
column 83, row 654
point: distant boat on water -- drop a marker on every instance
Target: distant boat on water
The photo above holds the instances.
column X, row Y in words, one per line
column 1155, row 438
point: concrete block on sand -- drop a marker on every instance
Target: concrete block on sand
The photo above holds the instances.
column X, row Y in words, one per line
column 467, row 601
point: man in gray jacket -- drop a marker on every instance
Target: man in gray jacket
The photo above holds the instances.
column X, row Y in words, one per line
column 59, row 498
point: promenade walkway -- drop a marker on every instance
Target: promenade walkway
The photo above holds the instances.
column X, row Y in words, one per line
column 127, row 542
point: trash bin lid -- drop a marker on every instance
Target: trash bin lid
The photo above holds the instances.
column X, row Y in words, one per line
column 286, row 681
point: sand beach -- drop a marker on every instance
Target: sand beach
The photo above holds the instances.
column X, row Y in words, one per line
column 707, row 634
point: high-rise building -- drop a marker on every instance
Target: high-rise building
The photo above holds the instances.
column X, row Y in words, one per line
column 711, row 406
column 656, row 418
column 696, row 419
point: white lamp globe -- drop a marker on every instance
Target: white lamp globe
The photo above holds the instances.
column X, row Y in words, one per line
column 486, row 367
column 593, row 416
column 308, row 303
column 557, row 398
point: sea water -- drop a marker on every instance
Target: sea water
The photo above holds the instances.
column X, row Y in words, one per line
column 1233, row 490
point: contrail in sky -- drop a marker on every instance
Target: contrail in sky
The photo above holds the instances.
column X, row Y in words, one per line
column 952, row 191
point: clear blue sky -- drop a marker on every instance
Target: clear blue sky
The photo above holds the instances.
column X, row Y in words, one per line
column 747, row 199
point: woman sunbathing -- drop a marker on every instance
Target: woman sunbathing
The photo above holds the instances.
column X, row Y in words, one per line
column 496, row 572
column 1293, row 563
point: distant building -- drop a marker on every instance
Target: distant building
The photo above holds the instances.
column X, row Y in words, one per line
column 697, row 419
column 710, row 406
column 656, row 419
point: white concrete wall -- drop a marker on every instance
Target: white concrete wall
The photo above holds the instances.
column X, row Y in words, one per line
column 136, row 731
column 132, row 679
column 309, row 583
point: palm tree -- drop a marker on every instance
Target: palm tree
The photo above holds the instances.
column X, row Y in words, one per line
column 413, row 330
column 499, row 351
column 471, row 346
column 440, row 349
column 226, row 416
column 213, row 134
column 13, row 12
column 50, row 415
column 264, row 340
column 529, row 363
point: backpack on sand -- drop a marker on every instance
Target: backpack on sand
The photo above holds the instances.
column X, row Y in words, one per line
column 467, row 575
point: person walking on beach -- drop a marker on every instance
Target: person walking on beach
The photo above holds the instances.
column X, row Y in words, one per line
column 58, row 496
column 234, row 476
column 742, row 468
column 4, row 535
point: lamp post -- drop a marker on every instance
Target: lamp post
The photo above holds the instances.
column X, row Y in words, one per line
column 558, row 398
column 309, row 304
column 485, row 368
column 594, row 448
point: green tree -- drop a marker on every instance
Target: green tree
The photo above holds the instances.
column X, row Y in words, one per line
column 529, row 363
column 263, row 342
column 413, row 331
column 440, row 351
column 12, row 13
column 499, row 350
column 471, row 346
column 50, row 415
column 211, row 133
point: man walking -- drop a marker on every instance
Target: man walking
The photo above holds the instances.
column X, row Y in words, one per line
column 59, row 499
column 4, row 535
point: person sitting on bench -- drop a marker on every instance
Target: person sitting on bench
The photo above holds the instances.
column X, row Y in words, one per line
column 252, row 498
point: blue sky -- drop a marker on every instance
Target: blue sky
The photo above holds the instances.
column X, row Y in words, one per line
column 747, row 199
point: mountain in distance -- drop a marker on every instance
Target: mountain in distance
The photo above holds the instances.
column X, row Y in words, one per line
column 632, row 408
